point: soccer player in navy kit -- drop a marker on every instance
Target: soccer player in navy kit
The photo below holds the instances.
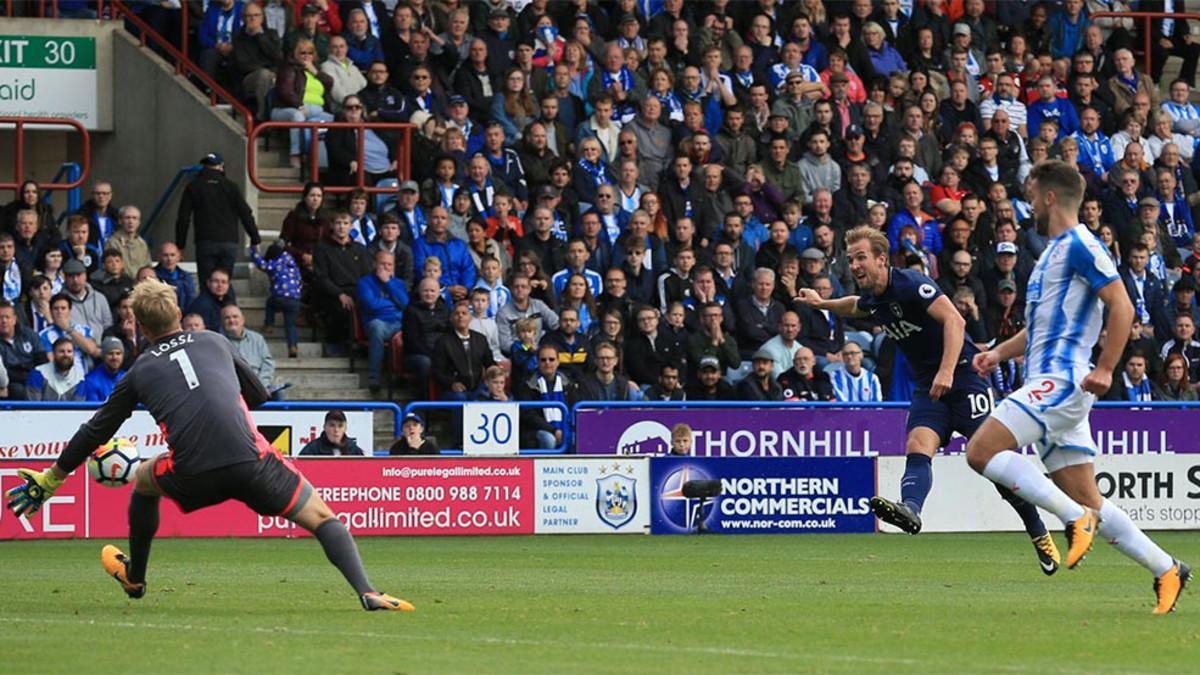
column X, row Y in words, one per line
column 200, row 393
column 950, row 396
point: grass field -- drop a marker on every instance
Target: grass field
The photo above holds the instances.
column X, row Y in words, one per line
column 934, row 603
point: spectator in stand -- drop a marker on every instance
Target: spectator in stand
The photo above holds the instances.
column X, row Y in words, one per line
column 88, row 307
column 100, row 214
column 347, row 78
column 218, row 207
column 168, row 271
column 606, row 384
column 913, row 214
column 256, row 55
column 573, row 353
column 668, row 387
column 303, row 93
column 305, row 224
column 112, row 282
column 412, row 440
column 125, row 328
column 548, row 425
column 36, row 312
column 650, row 349
column 213, row 299
column 712, row 340
column 59, row 379
column 14, row 276
column 521, row 306
column 1184, row 342
column 29, row 242
column 425, row 321
column 133, row 248
column 524, row 348
column 222, row 20
column 458, row 270
column 99, row 383
column 803, row 382
column 382, row 299
column 286, row 289
column 1134, row 384
column 379, row 149
column 77, row 247
column 333, row 440
column 20, row 351
column 1174, row 385
column 784, row 344
column 759, row 314
column 483, row 324
column 707, row 384
column 338, row 264
column 29, row 197
column 852, row 383
column 307, row 27
column 760, row 385
column 252, row 347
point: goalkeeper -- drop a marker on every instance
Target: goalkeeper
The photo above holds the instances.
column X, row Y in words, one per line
column 199, row 392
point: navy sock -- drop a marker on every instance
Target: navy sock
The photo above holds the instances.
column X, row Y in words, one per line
column 1028, row 512
column 917, row 481
column 143, row 523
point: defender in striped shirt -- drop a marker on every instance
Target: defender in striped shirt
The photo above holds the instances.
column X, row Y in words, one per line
column 1063, row 320
column 950, row 397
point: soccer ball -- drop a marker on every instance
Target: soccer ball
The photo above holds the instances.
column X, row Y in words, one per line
column 113, row 464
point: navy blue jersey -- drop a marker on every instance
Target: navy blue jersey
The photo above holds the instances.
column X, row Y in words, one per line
column 902, row 312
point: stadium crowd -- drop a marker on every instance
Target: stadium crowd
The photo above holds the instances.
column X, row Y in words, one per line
column 621, row 200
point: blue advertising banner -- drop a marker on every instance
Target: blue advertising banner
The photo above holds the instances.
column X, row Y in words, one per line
column 763, row 495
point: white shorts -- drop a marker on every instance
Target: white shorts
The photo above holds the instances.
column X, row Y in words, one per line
column 1051, row 413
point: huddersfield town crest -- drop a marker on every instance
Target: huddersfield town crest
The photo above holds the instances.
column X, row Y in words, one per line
column 616, row 500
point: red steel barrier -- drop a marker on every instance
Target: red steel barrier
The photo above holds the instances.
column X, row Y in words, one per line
column 403, row 153
column 20, row 124
column 1146, row 17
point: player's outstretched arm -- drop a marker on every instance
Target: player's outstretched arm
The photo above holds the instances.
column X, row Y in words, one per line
column 954, row 327
column 1120, row 320
column 844, row 306
column 40, row 486
column 986, row 362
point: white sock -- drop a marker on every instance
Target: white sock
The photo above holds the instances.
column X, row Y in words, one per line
column 1119, row 530
column 1019, row 475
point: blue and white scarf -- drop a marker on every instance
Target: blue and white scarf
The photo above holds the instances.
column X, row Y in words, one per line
column 672, row 106
column 1131, row 82
column 482, row 199
column 552, row 393
column 559, row 227
column 447, row 194
column 416, row 224
column 12, row 282
column 622, row 111
column 1137, row 392
column 362, row 230
column 598, row 171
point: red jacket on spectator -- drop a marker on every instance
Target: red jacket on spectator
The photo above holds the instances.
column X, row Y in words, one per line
column 331, row 20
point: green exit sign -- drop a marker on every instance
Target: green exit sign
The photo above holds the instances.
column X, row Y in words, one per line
column 38, row 51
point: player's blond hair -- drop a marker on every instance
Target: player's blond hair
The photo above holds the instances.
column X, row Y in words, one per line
column 155, row 306
column 878, row 240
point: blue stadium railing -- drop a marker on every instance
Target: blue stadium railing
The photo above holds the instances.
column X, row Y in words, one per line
column 148, row 222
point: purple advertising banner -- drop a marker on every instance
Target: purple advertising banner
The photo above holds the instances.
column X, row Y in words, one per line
column 835, row 432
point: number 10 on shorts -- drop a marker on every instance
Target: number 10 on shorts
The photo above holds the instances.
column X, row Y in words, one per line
column 490, row 429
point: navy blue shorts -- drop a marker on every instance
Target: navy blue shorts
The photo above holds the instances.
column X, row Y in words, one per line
column 962, row 409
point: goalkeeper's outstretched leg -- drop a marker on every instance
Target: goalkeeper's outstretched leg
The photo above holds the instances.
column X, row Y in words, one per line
column 316, row 517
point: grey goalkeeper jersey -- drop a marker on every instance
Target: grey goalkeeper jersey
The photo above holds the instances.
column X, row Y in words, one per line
column 198, row 391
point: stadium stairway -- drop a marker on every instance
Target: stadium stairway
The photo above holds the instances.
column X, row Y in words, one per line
column 313, row 377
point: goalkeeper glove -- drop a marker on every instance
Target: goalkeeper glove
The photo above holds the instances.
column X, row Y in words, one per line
column 39, row 486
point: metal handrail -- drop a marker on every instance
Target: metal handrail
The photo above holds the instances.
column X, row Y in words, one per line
column 163, row 198
column 558, row 405
column 183, row 65
column 72, row 171
column 19, row 150
column 403, row 153
column 1146, row 17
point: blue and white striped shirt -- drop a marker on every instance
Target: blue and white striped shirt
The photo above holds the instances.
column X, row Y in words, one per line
column 1062, row 312
column 861, row 388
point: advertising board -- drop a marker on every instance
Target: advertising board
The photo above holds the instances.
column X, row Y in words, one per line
column 596, row 496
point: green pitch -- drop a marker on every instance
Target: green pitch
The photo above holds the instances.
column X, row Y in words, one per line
column 934, row 603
